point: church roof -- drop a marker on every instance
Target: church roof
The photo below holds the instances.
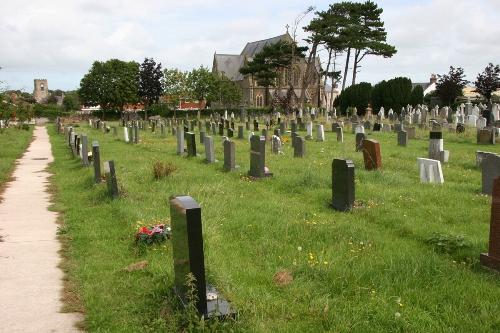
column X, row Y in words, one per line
column 229, row 65
column 252, row 48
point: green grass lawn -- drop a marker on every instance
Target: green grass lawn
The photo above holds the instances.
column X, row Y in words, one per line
column 406, row 261
column 13, row 143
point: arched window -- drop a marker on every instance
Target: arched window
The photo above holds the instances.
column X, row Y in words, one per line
column 259, row 101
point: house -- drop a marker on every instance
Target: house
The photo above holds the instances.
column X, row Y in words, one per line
column 254, row 95
column 428, row 87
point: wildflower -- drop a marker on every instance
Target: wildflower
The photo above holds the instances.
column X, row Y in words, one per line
column 299, row 248
column 397, row 315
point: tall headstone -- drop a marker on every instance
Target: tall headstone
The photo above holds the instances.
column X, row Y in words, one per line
column 359, row 141
column 180, row 141
column 209, row 149
column 258, row 157
column 96, row 161
column 490, row 170
column 340, row 134
column 412, row 132
column 492, row 258
column 343, row 194
column 240, row 132
column 229, row 156
column 112, row 183
column 320, row 133
column 191, row 144
column 402, row 138
column 371, row 155
column 299, row 147
column 136, row 134
column 309, row 130
column 188, row 259
column 85, row 151
column 202, row 137
column 435, row 145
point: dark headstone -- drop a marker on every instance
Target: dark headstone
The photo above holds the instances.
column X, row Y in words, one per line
column 258, row 157
column 191, row 144
column 188, row 258
column 492, row 258
column 110, row 173
column 359, row 141
column 202, row 137
column 377, row 127
column 221, row 129
column 490, row 169
column 299, row 146
column 342, row 185
column 240, row 132
column 371, row 155
column 230, row 132
column 229, row 155
column 96, row 161
column 402, row 138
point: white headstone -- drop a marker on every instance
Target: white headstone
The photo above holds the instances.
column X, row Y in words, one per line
column 430, row 171
column 125, row 134
column 320, row 133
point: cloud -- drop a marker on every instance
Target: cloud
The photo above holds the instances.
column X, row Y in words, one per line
column 60, row 39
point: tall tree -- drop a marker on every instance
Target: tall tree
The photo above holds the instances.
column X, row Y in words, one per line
column 450, row 86
column 226, row 92
column 417, row 95
column 175, row 82
column 110, row 84
column 370, row 35
column 488, row 81
column 150, row 83
column 200, row 83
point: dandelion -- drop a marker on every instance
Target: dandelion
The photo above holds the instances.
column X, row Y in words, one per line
column 299, row 248
column 397, row 315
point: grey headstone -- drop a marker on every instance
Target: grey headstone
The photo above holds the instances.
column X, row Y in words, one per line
column 110, row 173
column 96, row 161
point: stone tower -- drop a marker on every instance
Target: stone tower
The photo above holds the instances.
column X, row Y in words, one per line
column 41, row 91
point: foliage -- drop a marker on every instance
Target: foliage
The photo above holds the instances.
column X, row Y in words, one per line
column 110, row 84
column 488, row 81
column 449, row 86
column 50, row 111
column 358, row 95
column 446, row 243
column 176, row 87
column 71, row 101
column 162, row 170
column 417, row 96
column 13, row 143
column 393, row 94
column 201, row 83
column 153, row 234
column 226, row 92
column 150, row 82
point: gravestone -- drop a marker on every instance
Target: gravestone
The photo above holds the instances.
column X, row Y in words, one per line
column 371, row 154
column 275, row 144
column 359, row 129
column 221, row 129
column 320, row 133
column 130, row 135
column 486, row 136
column 229, row 156
column 230, row 132
column 255, row 125
column 115, row 132
column 209, row 149
column 191, row 144
column 136, row 134
column 110, row 173
column 180, row 141
column 258, row 157
column 188, row 258
column 125, row 134
column 299, row 147
column 492, row 258
column 343, row 195
column 430, row 171
column 240, row 132
column 490, row 169
column 398, row 127
column 412, row 132
column 309, row 130
column 377, row 127
column 96, row 161
column 277, row 132
column 340, row 134
column 85, row 151
column 435, row 145
column 402, row 138
column 359, row 141
column 214, row 129
column 202, row 137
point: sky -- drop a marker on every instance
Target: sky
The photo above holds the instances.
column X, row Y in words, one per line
column 60, row 39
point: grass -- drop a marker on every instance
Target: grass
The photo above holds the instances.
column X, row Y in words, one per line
column 406, row 261
column 13, row 143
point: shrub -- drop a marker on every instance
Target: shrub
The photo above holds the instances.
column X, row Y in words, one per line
column 358, row 95
column 417, row 95
column 393, row 94
column 162, row 169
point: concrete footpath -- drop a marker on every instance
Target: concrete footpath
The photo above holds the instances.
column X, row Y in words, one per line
column 30, row 282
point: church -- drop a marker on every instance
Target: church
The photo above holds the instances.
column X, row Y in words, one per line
column 253, row 94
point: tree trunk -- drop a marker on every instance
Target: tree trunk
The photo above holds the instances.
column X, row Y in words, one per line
column 305, row 80
column 355, row 68
column 348, row 57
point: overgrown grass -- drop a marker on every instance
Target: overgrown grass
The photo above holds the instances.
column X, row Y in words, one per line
column 13, row 143
column 407, row 261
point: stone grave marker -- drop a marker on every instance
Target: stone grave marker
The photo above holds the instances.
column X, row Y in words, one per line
column 180, row 141
column 209, row 149
column 492, row 258
column 229, row 156
column 221, row 129
column 377, row 127
column 299, row 147
column 240, row 132
column 202, row 137
column 136, row 134
column 359, row 141
column 309, row 130
column 430, row 171
column 340, row 134
column 85, row 151
column 371, row 154
column 110, row 174
column 320, row 133
column 412, row 132
column 343, row 194
column 486, row 136
column 490, row 169
column 188, row 258
column 258, row 157
column 191, row 144
column 125, row 134
column 96, row 161
column 402, row 138
column 275, row 144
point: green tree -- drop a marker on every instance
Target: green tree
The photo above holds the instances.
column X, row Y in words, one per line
column 110, row 84
column 200, row 83
column 71, row 102
column 150, row 83
column 450, row 86
column 392, row 94
column 358, row 95
column 226, row 92
column 417, row 95
column 488, row 81
column 175, row 84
